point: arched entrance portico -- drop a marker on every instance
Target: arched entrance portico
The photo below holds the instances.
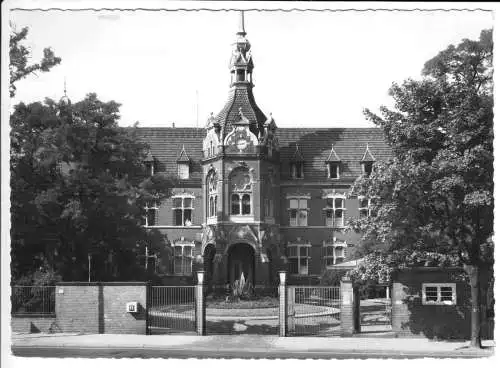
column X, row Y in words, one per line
column 241, row 259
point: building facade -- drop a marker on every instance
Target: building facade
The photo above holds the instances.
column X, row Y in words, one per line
column 253, row 198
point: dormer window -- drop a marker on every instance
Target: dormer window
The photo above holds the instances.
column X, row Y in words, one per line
column 297, row 170
column 183, row 165
column 333, row 170
column 150, row 168
column 367, row 162
column 367, row 168
column 333, row 165
column 183, row 171
column 149, row 164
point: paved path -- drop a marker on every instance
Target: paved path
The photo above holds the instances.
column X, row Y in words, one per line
column 238, row 346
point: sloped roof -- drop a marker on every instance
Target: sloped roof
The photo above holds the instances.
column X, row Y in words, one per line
column 183, row 156
column 165, row 145
column 368, row 157
column 241, row 97
column 315, row 146
column 333, row 157
column 297, row 155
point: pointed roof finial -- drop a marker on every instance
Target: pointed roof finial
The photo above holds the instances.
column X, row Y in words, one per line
column 241, row 28
column 65, row 86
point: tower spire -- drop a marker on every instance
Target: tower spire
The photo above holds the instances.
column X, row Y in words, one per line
column 241, row 28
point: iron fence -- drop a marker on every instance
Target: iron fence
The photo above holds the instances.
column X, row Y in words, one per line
column 313, row 310
column 171, row 309
column 28, row 300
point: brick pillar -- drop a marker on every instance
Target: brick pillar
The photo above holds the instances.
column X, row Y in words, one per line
column 283, row 304
column 200, row 304
column 346, row 308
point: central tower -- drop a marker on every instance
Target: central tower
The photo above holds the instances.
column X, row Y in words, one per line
column 241, row 182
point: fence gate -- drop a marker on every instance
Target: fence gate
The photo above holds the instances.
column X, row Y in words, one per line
column 171, row 310
column 313, row 310
column 375, row 310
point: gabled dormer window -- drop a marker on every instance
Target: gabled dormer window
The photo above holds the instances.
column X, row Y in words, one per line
column 149, row 164
column 333, row 165
column 183, row 164
column 367, row 162
column 297, row 170
column 333, row 170
column 367, row 168
column 297, row 164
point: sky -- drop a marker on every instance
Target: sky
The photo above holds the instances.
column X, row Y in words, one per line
column 318, row 69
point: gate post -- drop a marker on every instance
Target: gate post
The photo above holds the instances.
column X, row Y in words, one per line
column 200, row 304
column 283, row 309
column 346, row 308
column 291, row 309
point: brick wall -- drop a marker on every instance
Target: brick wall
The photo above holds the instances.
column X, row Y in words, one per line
column 116, row 318
column 100, row 307
column 34, row 324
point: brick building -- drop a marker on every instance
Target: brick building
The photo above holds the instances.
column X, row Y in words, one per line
column 253, row 198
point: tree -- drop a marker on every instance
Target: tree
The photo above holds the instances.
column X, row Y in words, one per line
column 19, row 56
column 79, row 186
column 436, row 193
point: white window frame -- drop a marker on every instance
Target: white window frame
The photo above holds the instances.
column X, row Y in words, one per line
column 299, row 210
column 183, row 170
column 333, row 257
column 183, row 271
column 333, row 209
column 439, row 287
column 368, row 208
column 147, row 208
column 300, row 271
column 329, row 169
column 183, row 208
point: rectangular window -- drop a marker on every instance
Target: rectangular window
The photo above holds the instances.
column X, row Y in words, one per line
column 335, row 212
column 297, row 170
column 334, row 253
column 298, row 259
column 183, row 170
column 183, row 259
column 439, row 294
column 183, row 210
column 367, row 168
column 298, row 212
column 333, row 170
column 151, row 216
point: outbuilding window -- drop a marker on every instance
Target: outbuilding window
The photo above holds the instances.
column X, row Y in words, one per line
column 439, row 294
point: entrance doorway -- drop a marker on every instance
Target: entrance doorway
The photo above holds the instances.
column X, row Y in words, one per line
column 208, row 265
column 241, row 260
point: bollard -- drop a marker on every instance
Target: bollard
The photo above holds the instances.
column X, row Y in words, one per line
column 283, row 309
column 200, row 305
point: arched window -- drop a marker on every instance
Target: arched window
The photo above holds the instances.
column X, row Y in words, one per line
column 212, row 195
column 241, row 192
